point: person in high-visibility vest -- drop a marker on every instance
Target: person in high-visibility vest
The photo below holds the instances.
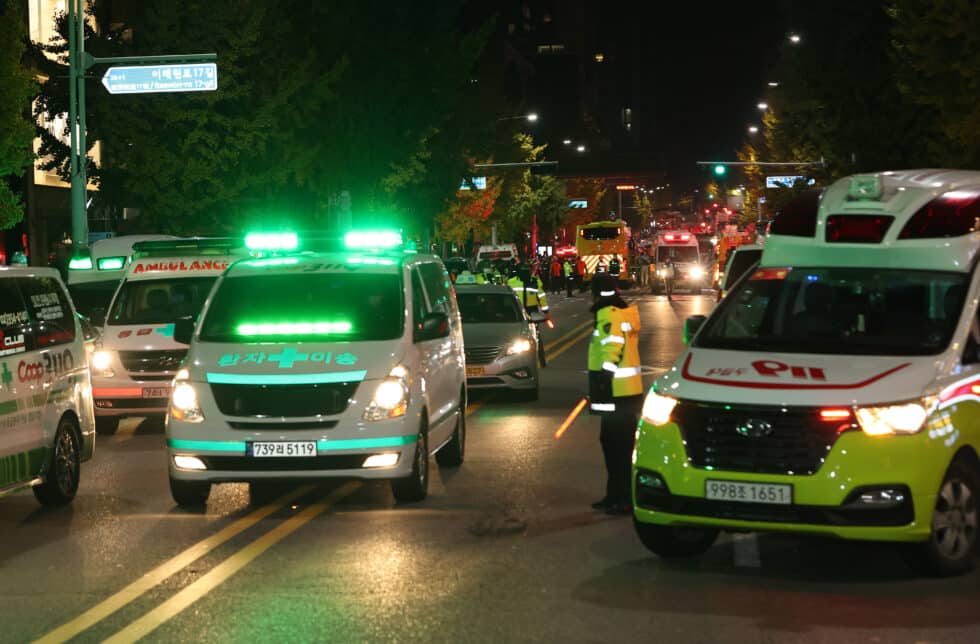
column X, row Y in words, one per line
column 615, row 387
column 529, row 290
column 569, row 274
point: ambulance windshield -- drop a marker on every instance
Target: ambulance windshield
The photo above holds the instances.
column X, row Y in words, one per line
column 856, row 311
column 159, row 301
column 315, row 307
column 677, row 253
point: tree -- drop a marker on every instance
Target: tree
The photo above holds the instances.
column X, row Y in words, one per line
column 937, row 52
column 528, row 197
column 467, row 215
column 15, row 128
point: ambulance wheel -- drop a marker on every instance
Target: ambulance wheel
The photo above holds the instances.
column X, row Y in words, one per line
column 952, row 542
column 63, row 470
column 415, row 486
column 453, row 453
column 669, row 542
column 189, row 494
column 106, row 425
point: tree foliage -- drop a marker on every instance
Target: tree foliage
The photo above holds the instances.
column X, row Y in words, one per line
column 15, row 128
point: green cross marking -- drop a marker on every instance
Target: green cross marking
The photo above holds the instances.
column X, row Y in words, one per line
column 288, row 357
column 6, row 376
column 166, row 331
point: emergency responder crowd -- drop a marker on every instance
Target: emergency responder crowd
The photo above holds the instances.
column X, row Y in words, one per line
column 615, row 383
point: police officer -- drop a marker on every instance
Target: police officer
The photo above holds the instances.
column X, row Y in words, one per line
column 529, row 289
column 615, row 268
column 615, row 387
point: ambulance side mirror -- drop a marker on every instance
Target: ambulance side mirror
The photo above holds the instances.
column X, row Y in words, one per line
column 435, row 325
column 691, row 326
column 184, row 329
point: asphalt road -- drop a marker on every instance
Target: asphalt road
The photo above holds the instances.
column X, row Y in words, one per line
column 505, row 549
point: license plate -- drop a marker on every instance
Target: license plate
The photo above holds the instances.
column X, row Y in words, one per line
column 776, row 493
column 474, row 371
column 156, row 392
column 282, row 449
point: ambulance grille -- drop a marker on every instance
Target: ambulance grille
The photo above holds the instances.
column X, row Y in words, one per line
column 152, row 361
column 796, row 441
column 287, row 401
column 481, row 355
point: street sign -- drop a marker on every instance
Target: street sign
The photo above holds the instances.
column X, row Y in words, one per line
column 480, row 183
column 787, row 181
column 153, row 79
column 578, row 203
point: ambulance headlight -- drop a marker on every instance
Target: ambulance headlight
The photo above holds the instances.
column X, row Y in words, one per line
column 902, row 418
column 102, row 360
column 184, row 405
column 661, row 272
column 390, row 398
column 657, row 408
column 697, row 273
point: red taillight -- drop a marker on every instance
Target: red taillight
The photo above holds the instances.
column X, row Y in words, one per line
column 835, row 414
column 954, row 214
column 857, row 229
column 798, row 218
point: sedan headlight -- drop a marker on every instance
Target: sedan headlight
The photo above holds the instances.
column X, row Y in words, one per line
column 903, row 418
column 102, row 360
column 184, row 404
column 657, row 408
column 519, row 346
column 390, row 398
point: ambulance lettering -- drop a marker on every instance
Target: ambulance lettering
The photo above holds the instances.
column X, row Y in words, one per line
column 774, row 368
column 181, row 266
column 778, row 375
column 29, row 371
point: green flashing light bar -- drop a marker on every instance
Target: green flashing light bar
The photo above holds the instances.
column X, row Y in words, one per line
column 111, row 263
column 272, row 241
column 373, row 239
column 294, row 328
column 80, row 264
column 274, row 261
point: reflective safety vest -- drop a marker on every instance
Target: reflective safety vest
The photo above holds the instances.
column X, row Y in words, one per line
column 614, row 268
column 567, row 267
column 533, row 295
column 466, row 277
column 614, row 358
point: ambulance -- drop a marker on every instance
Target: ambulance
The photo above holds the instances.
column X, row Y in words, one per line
column 836, row 390
column 46, row 424
column 138, row 359
column 680, row 248
column 321, row 364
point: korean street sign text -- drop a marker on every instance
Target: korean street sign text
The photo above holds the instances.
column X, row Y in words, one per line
column 152, row 79
column 786, row 181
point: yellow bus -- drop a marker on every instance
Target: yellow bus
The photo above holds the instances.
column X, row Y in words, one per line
column 597, row 243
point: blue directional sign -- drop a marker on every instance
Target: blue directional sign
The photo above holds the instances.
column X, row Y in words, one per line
column 787, row 181
column 480, row 183
column 578, row 203
column 152, row 79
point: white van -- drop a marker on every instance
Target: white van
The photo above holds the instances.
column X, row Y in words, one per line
column 343, row 364
column 93, row 278
column 836, row 389
column 166, row 279
column 46, row 424
column 498, row 253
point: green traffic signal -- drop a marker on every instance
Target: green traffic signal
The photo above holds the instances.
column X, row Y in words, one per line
column 720, row 170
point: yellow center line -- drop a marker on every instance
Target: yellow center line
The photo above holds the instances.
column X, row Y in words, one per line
column 568, row 345
column 555, row 343
column 223, row 571
column 165, row 570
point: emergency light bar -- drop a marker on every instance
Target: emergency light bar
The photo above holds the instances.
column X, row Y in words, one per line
column 188, row 246
column 271, row 241
column 294, row 328
column 672, row 237
column 111, row 263
column 372, row 240
column 80, row 264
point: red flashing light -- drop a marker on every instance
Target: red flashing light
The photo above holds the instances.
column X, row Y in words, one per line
column 835, row 414
column 771, row 274
column 857, row 229
column 671, row 237
column 954, row 214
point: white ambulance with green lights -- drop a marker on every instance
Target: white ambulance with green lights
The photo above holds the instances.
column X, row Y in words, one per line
column 166, row 279
column 94, row 277
column 46, row 424
column 321, row 364
column 836, row 390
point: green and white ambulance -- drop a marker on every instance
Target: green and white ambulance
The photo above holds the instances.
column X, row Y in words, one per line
column 47, row 427
column 321, row 364
column 836, row 390
column 165, row 280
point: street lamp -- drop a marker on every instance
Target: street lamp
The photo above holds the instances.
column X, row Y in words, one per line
column 753, row 129
column 773, row 84
column 795, row 38
column 762, row 105
column 580, row 148
column 530, row 117
column 567, row 142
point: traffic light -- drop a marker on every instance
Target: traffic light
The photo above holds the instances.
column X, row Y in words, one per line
column 720, row 170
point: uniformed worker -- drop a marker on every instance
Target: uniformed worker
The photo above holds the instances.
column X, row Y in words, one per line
column 615, row 387
column 569, row 274
column 529, row 290
column 614, row 267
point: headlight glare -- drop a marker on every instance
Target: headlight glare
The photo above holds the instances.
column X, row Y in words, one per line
column 697, row 272
column 101, row 360
column 390, row 398
column 519, row 346
column 905, row 418
column 184, row 404
column 657, row 408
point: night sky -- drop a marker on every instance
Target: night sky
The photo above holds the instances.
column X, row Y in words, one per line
column 699, row 70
